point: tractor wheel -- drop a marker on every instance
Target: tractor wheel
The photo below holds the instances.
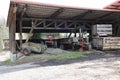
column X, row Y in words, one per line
column 26, row 51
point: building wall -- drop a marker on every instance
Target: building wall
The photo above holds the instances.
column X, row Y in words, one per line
column 4, row 34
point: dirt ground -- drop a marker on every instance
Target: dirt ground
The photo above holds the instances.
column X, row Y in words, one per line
column 97, row 66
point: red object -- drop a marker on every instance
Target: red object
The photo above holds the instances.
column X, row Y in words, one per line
column 50, row 39
column 65, row 42
column 81, row 49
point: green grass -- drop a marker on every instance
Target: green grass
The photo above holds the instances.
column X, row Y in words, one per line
column 8, row 61
column 63, row 56
column 71, row 55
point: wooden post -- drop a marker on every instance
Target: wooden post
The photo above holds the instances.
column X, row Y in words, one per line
column 32, row 28
column 20, row 35
column 75, row 31
column 12, row 31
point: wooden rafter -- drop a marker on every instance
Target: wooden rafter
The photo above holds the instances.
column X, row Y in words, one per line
column 31, row 30
column 12, row 28
column 82, row 15
column 56, row 13
column 106, row 15
column 23, row 11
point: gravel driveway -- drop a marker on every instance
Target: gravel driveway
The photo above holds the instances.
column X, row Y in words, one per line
column 95, row 67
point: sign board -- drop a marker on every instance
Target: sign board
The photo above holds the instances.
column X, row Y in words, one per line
column 102, row 29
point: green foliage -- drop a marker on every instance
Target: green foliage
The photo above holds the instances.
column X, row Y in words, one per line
column 8, row 61
column 70, row 55
column 62, row 56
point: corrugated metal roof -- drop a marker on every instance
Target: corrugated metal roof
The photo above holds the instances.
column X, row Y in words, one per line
column 55, row 12
column 42, row 11
column 69, row 13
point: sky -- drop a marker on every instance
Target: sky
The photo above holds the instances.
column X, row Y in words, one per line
column 95, row 4
column 4, row 6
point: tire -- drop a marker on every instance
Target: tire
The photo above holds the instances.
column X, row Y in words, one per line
column 26, row 51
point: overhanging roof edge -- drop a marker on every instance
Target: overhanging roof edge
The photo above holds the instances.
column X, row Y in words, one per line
column 56, row 5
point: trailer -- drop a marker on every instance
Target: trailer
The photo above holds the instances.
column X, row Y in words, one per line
column 29, row 47
column 103, row 38
column 106, row 43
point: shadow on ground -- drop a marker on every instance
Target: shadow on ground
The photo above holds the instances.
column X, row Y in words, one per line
column 107, row 56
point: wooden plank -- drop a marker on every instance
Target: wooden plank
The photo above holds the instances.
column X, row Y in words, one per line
column 32, row 28
column 10, row 15
column 80, row 16
column 56, row 13
column 12, row 29
column 20, row 35
column 23, row 11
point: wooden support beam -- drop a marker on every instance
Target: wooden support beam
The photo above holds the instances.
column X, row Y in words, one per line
column 40, row 23
column 32, row 28
column 49, row 24
column 10, row 14
column 116, row 20
column 80, row 16
column 63, row 20
column 103, row 16
column 12, row 31
column 29, row 28
column 12, row 11
column 75, row 30
column 71, row 24
column 21, row 18
column 12, row 28
column 20, row 35
column 56, row 13
column 69, row 35
column 23, row 10
column 60, row 24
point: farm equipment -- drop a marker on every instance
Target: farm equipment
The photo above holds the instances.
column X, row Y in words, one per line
column 29, row 47
column 72, row 43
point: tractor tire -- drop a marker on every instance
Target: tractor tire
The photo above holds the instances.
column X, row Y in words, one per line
column 26, row 51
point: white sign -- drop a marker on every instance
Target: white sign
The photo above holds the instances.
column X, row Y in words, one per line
column 105, row 29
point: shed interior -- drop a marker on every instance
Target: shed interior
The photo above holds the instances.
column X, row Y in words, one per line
column 38, row 18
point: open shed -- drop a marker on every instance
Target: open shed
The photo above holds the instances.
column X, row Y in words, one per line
column 27, row 17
